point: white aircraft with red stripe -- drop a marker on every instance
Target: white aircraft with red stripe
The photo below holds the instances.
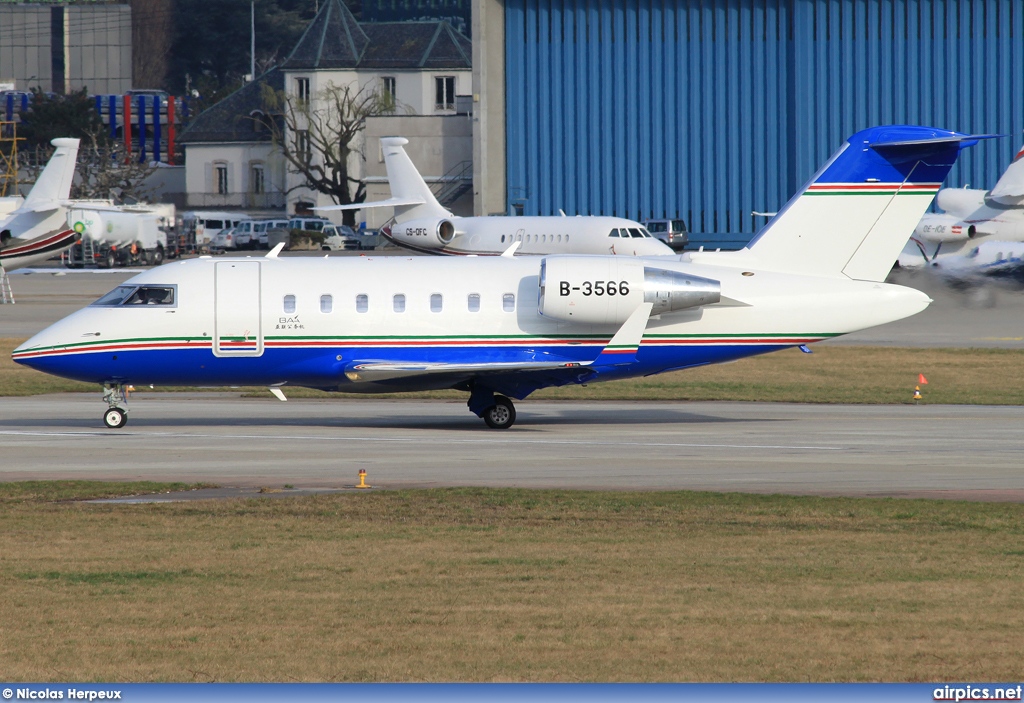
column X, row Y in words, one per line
column 422, row 224
column 37, row 229
column 971, row 216
column 502, row 327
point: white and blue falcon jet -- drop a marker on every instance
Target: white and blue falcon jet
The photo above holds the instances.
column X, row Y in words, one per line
column 502, row 327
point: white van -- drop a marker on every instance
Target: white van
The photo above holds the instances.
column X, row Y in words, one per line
column 204, row 226
column 672, row 232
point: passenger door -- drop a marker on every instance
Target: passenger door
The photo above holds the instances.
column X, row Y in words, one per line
column 237, row 322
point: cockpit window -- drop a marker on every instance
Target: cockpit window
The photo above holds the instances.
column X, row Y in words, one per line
column 614, row 233
column 647, row 235
column 636, row 233
column 116, row 296
column 151, row 295
column 138, row 295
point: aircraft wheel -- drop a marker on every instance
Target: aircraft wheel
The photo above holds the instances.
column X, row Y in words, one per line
column 115, row 418
column 501, row 415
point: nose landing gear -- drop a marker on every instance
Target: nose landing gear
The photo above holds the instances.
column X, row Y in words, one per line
column 115, row 396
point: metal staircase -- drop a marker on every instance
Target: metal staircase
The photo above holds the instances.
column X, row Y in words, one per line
column 6, row 294
column 454, row 184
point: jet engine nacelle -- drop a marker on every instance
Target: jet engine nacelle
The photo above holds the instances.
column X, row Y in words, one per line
column 427, row 234
column 944, row 228
column 607, row 290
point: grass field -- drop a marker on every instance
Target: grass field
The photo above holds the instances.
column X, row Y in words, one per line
column 832, row 374
column 508, row 585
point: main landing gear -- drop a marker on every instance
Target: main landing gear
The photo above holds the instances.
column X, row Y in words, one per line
column 496, row 410
column 115, row 396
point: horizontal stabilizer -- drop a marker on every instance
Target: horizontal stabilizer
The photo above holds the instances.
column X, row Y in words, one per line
column 390, row 202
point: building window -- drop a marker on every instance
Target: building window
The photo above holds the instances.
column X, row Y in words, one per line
column 508, row 302
column 302, row 149
column 256, row 183
column 362, row 303
column 326, row 303
column 399, row 302
column 445, row 90
column 436, row 302
column 302, row 91
column 220, row 175
column 389, row 91
column 474, row 302
column 289, row 304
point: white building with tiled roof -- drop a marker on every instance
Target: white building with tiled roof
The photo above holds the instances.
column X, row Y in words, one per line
column 425, row 66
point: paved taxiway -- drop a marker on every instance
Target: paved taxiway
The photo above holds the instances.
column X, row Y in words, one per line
column 927, row 451
column 853, row 450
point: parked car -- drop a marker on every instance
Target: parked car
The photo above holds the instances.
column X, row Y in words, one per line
column 672, row 232
column 225, row 239
column 261, row 232
column 244, row 235
column 338, row 237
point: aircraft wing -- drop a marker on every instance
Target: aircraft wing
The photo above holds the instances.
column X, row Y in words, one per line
column 390, row 202
column 370, row 371
column 621, row 349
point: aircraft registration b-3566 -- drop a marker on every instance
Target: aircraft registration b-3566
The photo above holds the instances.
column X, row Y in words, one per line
column 422, row 224
column 503, row 327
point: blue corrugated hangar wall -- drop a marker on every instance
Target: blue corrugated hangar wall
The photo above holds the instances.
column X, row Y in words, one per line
column 710, row 109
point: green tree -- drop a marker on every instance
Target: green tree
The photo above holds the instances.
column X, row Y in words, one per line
column 50, row 116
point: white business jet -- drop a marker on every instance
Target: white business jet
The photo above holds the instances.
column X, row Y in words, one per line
column 502, row 327
column 422, row 224
column 37, row 228
column 972, row 216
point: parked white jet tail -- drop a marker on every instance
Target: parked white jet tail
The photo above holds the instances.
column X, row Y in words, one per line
column 856, row 214
column 54, row 183
column 1009, row 189
column 410, row 195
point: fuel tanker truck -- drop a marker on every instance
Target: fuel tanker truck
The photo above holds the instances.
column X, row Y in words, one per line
column 120, row 235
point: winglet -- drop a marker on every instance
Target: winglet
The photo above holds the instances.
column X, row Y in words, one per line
column 623, row 346
column 511, row 251
column 278, row 248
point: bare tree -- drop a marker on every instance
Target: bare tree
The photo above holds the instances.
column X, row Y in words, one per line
column 317, row 135
column 104, row 171
column 107, row 172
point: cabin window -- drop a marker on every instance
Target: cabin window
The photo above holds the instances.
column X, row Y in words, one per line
column 559, row 238
column 289, row 303
column 503, row 239
column 474, row 302
column 435, row 302
column 398, row 302
column 326, row 303
column 362, row 303
column 508, row 302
